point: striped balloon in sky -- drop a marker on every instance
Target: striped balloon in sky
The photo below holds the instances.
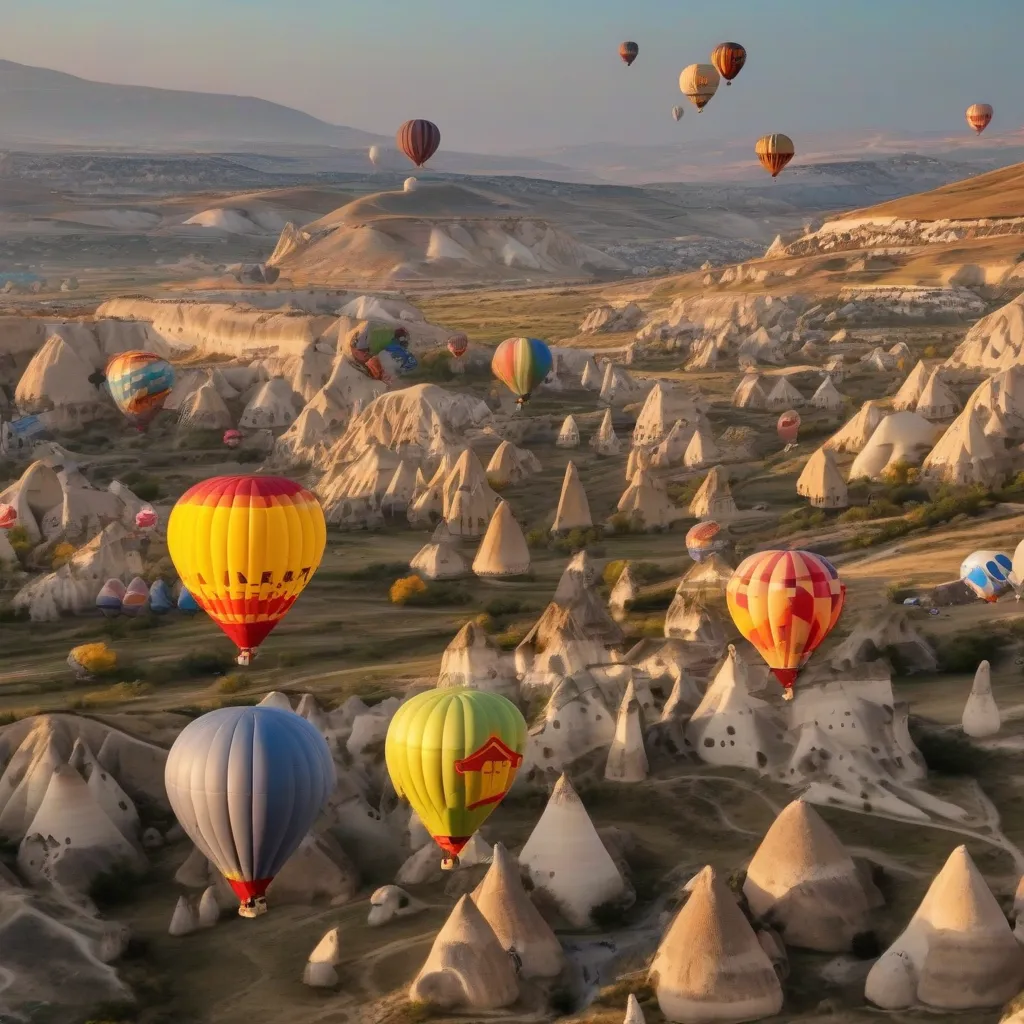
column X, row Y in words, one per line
column 139, row 383
column 245, row 547
column 418, row 140
column 785, row 603
column 521, row 364
column 246, row 784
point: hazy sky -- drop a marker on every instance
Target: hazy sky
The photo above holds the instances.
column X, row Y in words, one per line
column 522, row 74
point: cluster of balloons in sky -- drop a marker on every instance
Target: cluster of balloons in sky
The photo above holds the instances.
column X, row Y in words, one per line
column 419, row 139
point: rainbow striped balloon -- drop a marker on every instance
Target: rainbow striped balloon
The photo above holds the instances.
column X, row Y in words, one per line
column 139, row 383
column 521, row 364
column 245, row 547
column 785, row 603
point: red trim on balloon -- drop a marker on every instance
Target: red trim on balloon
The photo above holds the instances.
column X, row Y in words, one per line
column 786, row 676
column 452, row 845
column 247, row 890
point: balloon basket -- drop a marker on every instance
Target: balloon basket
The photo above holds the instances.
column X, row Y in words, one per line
column 449, row 863
column 787, row 694
column 257, row 908
column 244, row 658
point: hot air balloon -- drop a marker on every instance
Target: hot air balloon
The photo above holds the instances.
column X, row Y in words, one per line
column 457, row 345
column 8, row 517
column 410, row 185
column 146, row 518
column 246, row 784
column 628, row 52
column 774, row 152
column 245, row 547
column 521, row 364
column 418, row 140
column 788, row 426
column 139, row 383
column 232, row 438
column 728, row 59
column 785, row 603
column 677, row 113
column 979, row 115
column 698, row 83
column 187, row 603
column 703, row 540
column 375, row 155
column 136, row 597
column 454, row 754
column 161, row 601
column 987, row 573
column 110, row 598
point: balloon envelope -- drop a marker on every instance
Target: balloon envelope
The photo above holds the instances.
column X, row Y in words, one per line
column 454, row 754
column 628, row 52
column 418, row 140
column 232, row 438
column 774, row 152
column 139, row 383
column 110, row 598
column 146, row 519
column 987, row 573
column 8, row 516
column 245, row 547
column 187, row 603
column 728, row 59
column 161, row 600
column 703, row 540
column 788, row 426
column 521, row 364
column 677, row 113
column 457, row 345
column 135, row 597
column 785, row 603
column 246, row 785
column 698, row 83
column 978, row 116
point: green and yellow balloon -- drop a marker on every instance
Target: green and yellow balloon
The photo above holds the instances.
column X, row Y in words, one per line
column 454, row 754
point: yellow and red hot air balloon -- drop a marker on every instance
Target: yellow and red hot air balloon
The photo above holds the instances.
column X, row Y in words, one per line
column 774, row 152
column 785, row 603
column 245, row 547
column 978, row 116
column 728, row 59
column 453, row 754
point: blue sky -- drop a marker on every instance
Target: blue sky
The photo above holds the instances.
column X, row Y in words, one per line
column 527, row 74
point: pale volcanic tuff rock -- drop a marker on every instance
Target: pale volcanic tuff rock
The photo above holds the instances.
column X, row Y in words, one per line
column 516, row 922
column 566, row 856
column 710, row 967
column 803, row 881
column 956, row 953
column 981, row 713
column 467, row 967
column 627, row 758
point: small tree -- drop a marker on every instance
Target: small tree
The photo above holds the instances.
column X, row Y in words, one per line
column 406, row 589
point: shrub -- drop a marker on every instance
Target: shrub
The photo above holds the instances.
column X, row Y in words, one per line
column 376, row 572
column 613, row 570
column 18, row 536
column 118, row 693
column 244, row 456
column 962, row 654
column 230, row 683
column 204, row 663
column 610, row 915
column 511, row 637
column 503, row 606
column 116, row 886
column 61, row 554
column 947, row 753
column 485, row 622
column 405, row 589
column 537, row 539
